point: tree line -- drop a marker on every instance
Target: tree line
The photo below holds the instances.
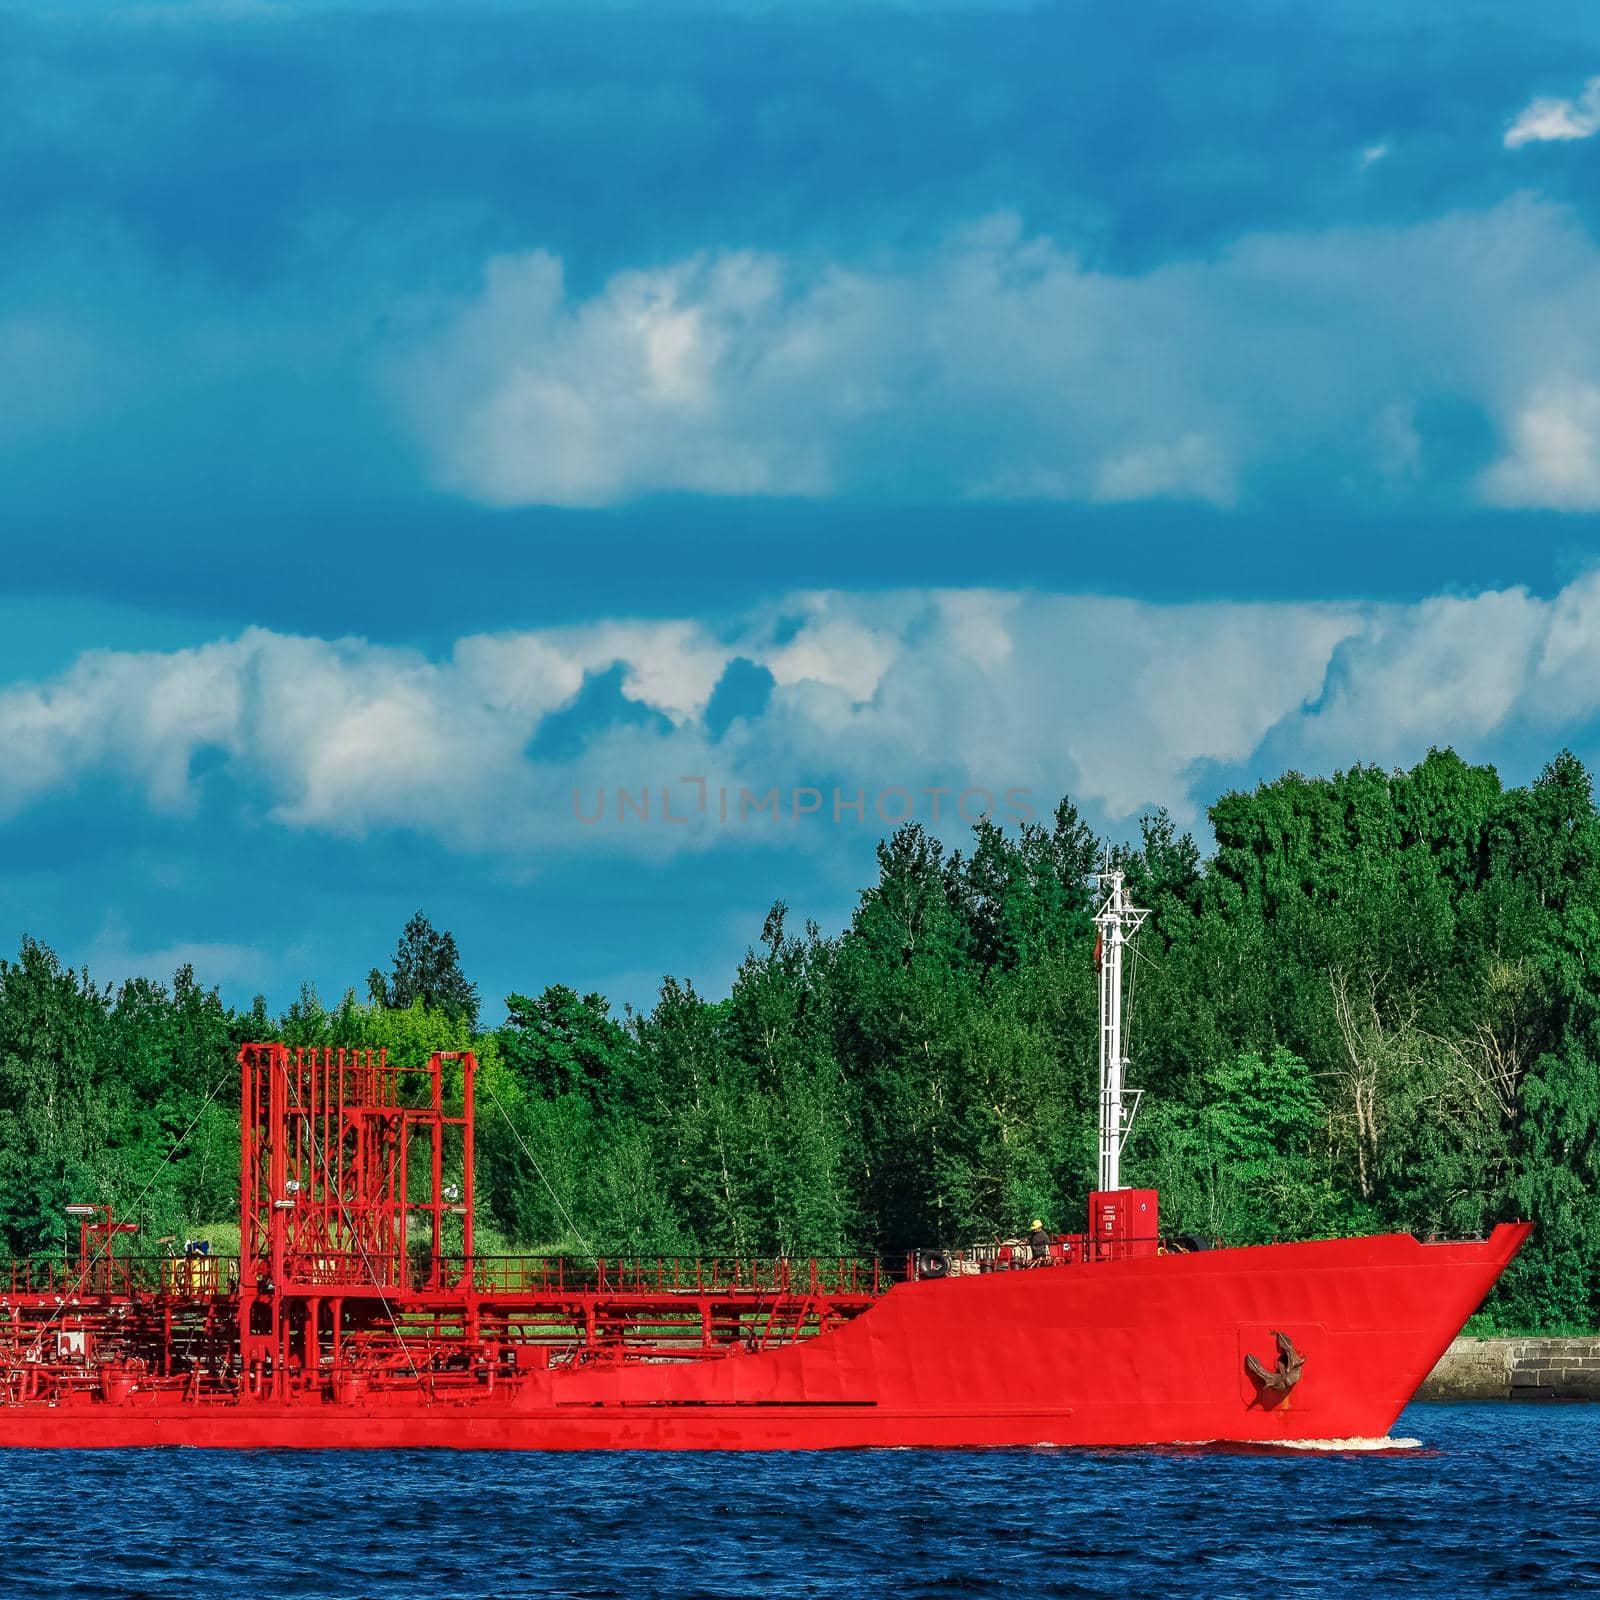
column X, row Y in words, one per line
column 1374, row 1006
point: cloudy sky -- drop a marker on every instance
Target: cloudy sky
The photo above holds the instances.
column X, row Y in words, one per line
column 471, row 456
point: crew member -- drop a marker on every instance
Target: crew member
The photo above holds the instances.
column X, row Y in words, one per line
column 1038, row 1242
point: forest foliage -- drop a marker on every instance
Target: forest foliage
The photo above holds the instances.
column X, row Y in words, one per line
column 1374, row 1006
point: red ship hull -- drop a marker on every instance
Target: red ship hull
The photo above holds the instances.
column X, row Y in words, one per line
column 1139, row 1351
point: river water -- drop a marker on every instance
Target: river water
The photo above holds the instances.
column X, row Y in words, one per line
column 1475, row 1500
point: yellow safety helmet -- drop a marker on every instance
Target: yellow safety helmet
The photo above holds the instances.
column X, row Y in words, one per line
column 1036, row 1223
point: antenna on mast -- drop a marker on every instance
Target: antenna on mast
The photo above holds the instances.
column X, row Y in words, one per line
column 1118, row 922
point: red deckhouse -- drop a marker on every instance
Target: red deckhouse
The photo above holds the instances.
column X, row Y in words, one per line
column 358, row 1314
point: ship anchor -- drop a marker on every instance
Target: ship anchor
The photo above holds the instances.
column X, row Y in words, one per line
column 1283, row 1377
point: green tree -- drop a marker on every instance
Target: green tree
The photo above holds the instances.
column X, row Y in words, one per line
column 426, row 967
column 56, row 1119
column 560, row 1043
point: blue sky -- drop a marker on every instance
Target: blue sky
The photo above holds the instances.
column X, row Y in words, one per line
column 411, row 417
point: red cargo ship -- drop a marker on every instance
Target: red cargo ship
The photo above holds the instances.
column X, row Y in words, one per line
column 358, row 1315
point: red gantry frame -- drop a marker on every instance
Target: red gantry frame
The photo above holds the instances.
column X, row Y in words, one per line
column 357, row 1269
column 357, row 1273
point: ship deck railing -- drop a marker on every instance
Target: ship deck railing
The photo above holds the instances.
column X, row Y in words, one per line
column 1012, row 1255
column 120, row 1277
column 191, row 1277
column 560, row 1275
column 676, row 1274
column 204, row 1277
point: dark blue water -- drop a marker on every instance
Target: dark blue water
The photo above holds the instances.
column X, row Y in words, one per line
column 1497, row 1500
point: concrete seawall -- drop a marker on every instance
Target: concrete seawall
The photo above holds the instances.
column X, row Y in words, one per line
column 1516, row 1369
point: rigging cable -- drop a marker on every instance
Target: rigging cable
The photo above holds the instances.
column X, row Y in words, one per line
column 565, row 1214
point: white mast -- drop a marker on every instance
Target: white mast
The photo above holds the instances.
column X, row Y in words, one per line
column 1117, row 922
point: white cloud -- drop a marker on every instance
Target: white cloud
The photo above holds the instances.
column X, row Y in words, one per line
column 1554, row 460
column 836, row 653
column 113, row 955
column 671, row 667
column 1120, row 703
column 998, row 366
column 1190, row 468
column 1455, row 670
column 143, row 715
column 532, row 398
column 994, row 365
column 1552, row 118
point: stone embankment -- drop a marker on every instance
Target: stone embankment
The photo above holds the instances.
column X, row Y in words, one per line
column 1516, row 1369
